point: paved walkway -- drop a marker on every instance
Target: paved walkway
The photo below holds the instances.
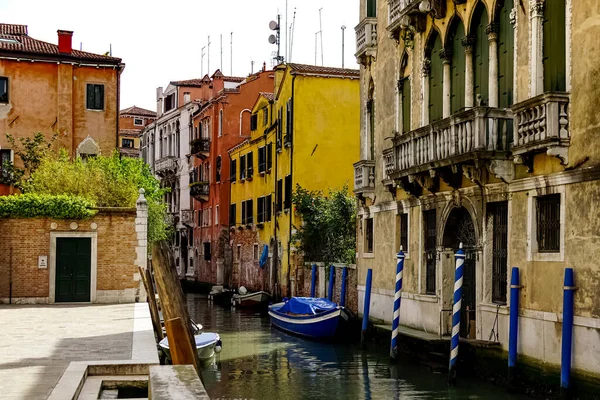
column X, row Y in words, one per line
column 38, row 342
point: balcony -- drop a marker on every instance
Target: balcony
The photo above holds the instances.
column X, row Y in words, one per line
column 467, row 140
column 200, row 147
column 542, row 125
column 366, row 40
column 364, row 178
column 200, row 191
column 389, row 164
column 187, row 217
column 166, row 166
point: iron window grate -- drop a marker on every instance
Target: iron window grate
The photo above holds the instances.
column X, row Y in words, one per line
column 548, row 223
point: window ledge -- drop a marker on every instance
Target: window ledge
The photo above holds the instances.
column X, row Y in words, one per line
column 427, row 298
column 368, row 255
column 91, row 109
column 549, row 257
column 503, row 309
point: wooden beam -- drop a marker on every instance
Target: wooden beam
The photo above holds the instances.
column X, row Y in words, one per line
column 171, row 296
column 149, row 285
column 181, row 350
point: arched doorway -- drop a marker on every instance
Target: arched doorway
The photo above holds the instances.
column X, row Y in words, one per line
column 460, row 229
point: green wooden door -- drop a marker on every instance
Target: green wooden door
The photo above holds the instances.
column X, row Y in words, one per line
column 436, row 82
column 73, row 269
column 506, row 48
column 405, row 87
column 555, row 64
column 481, row 53
column 457, row 93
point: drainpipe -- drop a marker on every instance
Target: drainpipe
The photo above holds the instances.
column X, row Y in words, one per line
column 291, row 183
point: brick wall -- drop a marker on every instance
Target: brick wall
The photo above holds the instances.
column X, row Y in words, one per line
column 304, row 276
column 246, row 271
column 121, row 244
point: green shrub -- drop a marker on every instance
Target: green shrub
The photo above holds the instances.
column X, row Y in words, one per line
column 42, row 205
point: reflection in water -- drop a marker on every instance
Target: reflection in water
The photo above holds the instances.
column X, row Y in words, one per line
column 260, row 362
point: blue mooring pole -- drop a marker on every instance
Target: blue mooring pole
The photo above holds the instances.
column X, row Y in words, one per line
column 313, row 282
column 458, row 282
column 513, row 334
column 331, row 282
column 567, row 333
column 397, row 298
column 343, row 293
column 367, row 306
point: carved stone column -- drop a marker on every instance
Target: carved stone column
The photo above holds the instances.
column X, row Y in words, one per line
column 468, row 43
column 537, row 47
column 425, row 71
column 492, row 32
column 446, row 56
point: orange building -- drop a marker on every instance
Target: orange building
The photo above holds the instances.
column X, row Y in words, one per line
column 51, row 88
column 132, row 122
column 220, row 123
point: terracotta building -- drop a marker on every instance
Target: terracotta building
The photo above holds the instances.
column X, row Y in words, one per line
column 220, row 123
column 132, row 122
column 53, row 88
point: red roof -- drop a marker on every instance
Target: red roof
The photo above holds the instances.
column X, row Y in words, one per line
column 15, row 39
column 317, row 70
column 138, row 111
column 268, row 96
column 131, row 132
column 206, row 80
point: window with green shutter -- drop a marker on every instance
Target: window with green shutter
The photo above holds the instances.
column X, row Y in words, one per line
column 506, row 48
column 371, row 8
column 457, row 77
column 481, row 53
column 95, row 97
column 555, row 64
column 436, row 81
column 405, row 91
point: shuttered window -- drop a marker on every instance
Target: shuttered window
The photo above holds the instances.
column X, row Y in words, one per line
column 288, row 193
column 232, row 170
column 555, row 64
column 405, row 88
column 269, row 156
column 253, row 122
column 481, row 51
column 371, row 8
column 279, row 195
column 436, row 83
column 369, row 235
column 457, row 77
column 232, row 214
column 95, row 97
column 506, row 48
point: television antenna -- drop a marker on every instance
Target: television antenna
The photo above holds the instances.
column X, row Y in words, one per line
column 276, row 38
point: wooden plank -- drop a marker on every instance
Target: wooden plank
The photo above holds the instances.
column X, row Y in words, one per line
column 149, row 286
column 182, row 352
column 170, row 293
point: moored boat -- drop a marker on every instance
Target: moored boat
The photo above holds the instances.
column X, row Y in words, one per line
column 309, row 317
column 219, row 295
column 250, row 300
column 207, row 344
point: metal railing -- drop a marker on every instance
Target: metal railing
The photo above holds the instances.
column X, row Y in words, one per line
column 187, row 217
column 166, row 164
column 200, row 146
column 199, row 189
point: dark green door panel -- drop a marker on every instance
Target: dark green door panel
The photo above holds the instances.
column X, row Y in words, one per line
column 555, row 64
column 457, row 85
column 481, row 53
column 436, row 81
column 406, row 106
column 506, row 48
column 73, row 269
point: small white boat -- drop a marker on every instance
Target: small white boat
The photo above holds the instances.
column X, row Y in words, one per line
column 207, row 344
column 248, row 300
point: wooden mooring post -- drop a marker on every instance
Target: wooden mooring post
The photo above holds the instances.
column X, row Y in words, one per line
column 146, row 276
column 172, row 301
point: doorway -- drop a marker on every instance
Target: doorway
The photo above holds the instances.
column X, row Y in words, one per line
column 73, row 269
column 460, row 229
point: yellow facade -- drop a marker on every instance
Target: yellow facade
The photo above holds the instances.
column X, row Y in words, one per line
column 314, row 127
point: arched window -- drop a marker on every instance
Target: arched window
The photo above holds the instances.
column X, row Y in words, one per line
column 481, row 51
column 555, row 65
column 404, row 89
column 371, row 8
column 436, row 78
column 457, row 77
column 506, row 48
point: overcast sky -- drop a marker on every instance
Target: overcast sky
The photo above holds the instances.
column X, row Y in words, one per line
column 160, row 41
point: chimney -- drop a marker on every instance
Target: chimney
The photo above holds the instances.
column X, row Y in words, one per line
column 65, row 39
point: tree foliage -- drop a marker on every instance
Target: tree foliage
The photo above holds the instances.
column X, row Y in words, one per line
column 40, row 205
column 328, row 231
column 105, row 181
column 31, row 151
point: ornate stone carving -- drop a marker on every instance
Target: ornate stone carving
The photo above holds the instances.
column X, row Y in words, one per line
column 525, row 160
column 468, row 43
column 502, row 169
column 475, row 174
column 561, row 153
column 537, row 8
column 426, row 69
column 456, row 199
column 513, row 16
column 492, row 31
column 446, row 55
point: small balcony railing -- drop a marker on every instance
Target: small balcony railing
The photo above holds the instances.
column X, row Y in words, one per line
column 364, row 176
column 200, row 190
column 389, row 164
column 187, row 217
column 398, row 9
column 200, row 146
column 542, row 124
column 166, row 165
column 480, row 132
column 366, row 38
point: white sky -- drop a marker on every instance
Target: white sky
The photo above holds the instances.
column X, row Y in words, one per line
column 161, row 41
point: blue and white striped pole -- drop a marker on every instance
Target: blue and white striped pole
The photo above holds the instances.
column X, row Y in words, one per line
column 458, row 283
column 397, row 297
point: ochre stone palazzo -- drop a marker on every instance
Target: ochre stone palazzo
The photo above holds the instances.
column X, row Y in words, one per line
column 478, row 126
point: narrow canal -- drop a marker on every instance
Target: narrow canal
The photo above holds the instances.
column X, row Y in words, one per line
column 260, row 362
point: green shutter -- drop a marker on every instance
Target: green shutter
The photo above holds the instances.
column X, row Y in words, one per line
column 457, row 77
column 90, row 97
column 555, row 65
column 481, row 53
column 506, row 47
column 371, row 8
column 436, row 82
column 405, row 104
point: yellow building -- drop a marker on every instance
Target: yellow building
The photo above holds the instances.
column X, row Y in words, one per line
column 306, row 133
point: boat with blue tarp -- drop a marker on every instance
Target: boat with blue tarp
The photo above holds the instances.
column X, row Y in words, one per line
column 316, row 318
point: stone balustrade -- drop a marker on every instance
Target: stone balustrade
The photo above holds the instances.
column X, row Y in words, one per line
column 364, row 176
column 166, row 165
column 389, row 163
column 366, row 38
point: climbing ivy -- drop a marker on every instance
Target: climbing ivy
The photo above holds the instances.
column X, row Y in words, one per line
column 42, row 205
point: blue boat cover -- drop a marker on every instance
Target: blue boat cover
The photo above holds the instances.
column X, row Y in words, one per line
column 307, row 305
column 264, row 257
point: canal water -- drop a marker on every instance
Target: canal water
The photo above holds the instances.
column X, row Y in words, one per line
column 260, row 362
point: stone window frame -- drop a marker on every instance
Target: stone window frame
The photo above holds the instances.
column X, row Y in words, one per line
column 135, row 119
column 7, row 93
column 401, row 210
column 532, row 253
column 367, row 254
column 87, row 105
column 93, row 262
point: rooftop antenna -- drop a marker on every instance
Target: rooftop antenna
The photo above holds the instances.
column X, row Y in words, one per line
column 292, row 36
column 110, row 49
column 80, row 46
column 252, row 67
column 316, row 39
column 221, row 53
column 208, row 56
column 287, row 37
column 231, row 55
column 321, row 34
column 343, row 37
column 202, row 61
column 276, row 39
